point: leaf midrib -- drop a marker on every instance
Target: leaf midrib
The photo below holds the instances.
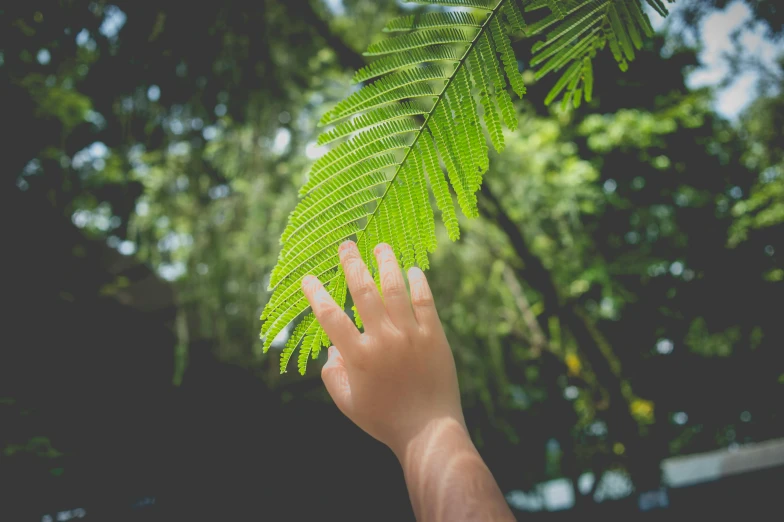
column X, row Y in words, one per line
column 441, row 96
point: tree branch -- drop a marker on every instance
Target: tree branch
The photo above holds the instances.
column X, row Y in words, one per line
column 539, row 278
column 538, row 341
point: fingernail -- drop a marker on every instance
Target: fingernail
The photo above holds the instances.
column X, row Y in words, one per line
column 415, row 272
column 382, row 247
column 331, row 352
column 308, row 280
column 345, row 246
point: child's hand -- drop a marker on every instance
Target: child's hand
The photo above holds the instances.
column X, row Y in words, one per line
column 398, row 377
column 397, row 381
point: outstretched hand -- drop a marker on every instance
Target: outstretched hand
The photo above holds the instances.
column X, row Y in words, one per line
column 398, row 376
column 397, row 381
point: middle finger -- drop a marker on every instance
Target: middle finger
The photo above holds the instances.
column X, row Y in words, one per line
column 393, row 287
column 362, row 287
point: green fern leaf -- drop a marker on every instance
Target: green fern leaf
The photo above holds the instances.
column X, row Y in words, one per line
column 456, row 110
column 308, row 344
column 392, row 88
column 642, row 19
column 514, row 16
column 562, row 82
column 482, row 83
column 503, row 46
column 377, row 116
column 418, row 124
column 294, row 340
column 435, row 20
column 567, row 33
column 557, row 9
column 357, row 318
column 418, row 39
column 487, row 5
column 621, row 35
column 658, row 6
column 490, row 64
column 439, row 186
column 587, row 26
column 588, row 78
column 423, row 210
column 630, row 24
column 394, row 62
column 572, row 87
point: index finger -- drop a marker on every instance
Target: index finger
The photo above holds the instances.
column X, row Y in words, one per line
column 332, row 318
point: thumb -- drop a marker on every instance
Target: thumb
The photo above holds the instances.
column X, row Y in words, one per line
column 335, row 377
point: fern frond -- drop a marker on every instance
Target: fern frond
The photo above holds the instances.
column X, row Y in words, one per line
column 557, row 13
column 490, row 64
column 433, row 21
column 585, row 27
column 418, row 39
column 482, row 83
column 439, row 185
column 587, row 79
column 369, row 119
column 419, row 124
column 414, row 89
column 620, row 33
column 427, row 223
column 287, row 311
column 658, row 6
column 557, row 8
column 394, row 62
column 567, row 33
column 389, row 89
column 294, row 340
column 641, row 19
column 310, row 345
column 514, row 17
column 354, row 152
column 487, row 5
column 503, row 46
column 455, row 110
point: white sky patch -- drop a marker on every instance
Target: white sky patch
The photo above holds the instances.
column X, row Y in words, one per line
column 113, row 21
column 314, row 151
column 127, row 248
column 732, row 100
column 172, row 271
column 282, row 140
column 43, row 57
column 336, row 6
column 664, row 346
column 716, row 30
column 280, row 340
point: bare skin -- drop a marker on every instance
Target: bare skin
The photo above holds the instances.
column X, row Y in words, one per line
column 397, row 381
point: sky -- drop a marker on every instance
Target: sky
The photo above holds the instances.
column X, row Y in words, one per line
column 715, row 30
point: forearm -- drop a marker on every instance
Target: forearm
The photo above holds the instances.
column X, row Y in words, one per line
column 398, row 383
column 447, row 479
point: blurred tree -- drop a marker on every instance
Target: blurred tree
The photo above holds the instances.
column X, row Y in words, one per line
column 615, row 303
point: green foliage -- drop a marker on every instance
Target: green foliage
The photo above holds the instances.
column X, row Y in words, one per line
column 763, row 208
column 585, row 27
column 419, row 113
column 628, row 206
column 700, row 340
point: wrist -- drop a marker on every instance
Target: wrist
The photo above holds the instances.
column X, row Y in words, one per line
column 444, row 435
column 446, row 477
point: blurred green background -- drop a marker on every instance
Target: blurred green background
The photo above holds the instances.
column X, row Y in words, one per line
column 617, row 304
